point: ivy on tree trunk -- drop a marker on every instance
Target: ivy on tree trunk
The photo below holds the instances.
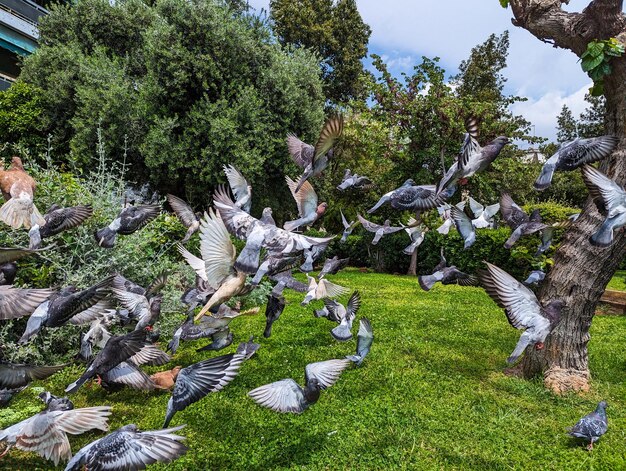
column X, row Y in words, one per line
column 581, row 271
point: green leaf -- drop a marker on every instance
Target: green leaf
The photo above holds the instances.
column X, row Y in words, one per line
column 592, row 63
column 595, row 48
column 597, row 89
column 504, row 3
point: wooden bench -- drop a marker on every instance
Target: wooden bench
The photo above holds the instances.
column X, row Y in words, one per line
column 612, row 302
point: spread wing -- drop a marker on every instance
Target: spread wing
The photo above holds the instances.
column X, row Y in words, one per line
column 586, row 151
column 370, row 226
column 218, row 252
column 476, row 208
column 306, row 198
column 513, row 215
column 333, row 128
column 600, row 186
column 301, row 153
column 281, row 396
column 17, row 302
column 327, row 289
column 15, row 376
column 326, row 372
column 150, row 354
column 182, row 210
column 129, row 375
column 238, row 184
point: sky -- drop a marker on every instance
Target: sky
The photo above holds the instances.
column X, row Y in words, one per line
column 405, row 30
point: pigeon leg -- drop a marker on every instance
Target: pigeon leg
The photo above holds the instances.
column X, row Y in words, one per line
column 590, row 446
column 99, row 380
column 462, row 181
column 6, row 450
column 539, row 346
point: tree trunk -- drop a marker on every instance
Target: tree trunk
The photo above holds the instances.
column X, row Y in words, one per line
column 581, row 271
column 413, row 266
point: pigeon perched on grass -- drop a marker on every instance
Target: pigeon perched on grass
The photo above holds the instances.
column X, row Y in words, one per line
column 592, row 426
column 464, row 226
column 378, row 230
column 610, row 199
column 287, row 396
column 314, row 159
column 129, row 449
column 196, row 381
column 365, row 338
column 18, row 189
column 522, row 308
column 185, row 214
column 345, row 315
column 352, row 180
column 129, row 220
column 308, row 209
column 58, row 219
column 348, row 227
column 45, row 433
column 574, row 154
column 240, row 187
column 483, row 215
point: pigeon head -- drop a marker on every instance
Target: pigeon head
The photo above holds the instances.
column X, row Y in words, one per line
column 267, row 212
column 68, row 290
column 553, row 311
column 501, row 141
column 409, row 182
column 16, row 163
column 155, row 303
column 321, row 209
column 602, row 405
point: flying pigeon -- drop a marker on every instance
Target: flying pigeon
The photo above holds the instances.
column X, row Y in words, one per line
column 18, row 189
column 446, row 275
column 348, row 227
column 143, row 304
column 273, row 310
column 217, row 263
column 308, row 209
column 20, row 302
column 196, row 381
column 463, row 226
column 483, row 216
column 240, row 188
column 199, row 294
column 365, row 337
column 592, row 426
column 473, row 158
column 314, row 159
column 534, row 277
column 266, row 217
column 522, row 308
column 57, row 220
column 352, row 180
column 333, row 265
column 45, row 433
column 97, row 335
column 284, row 280
column 13, row 376
column 311, row 255
column 129, row 220
column 275, row 263
column 346, row 315
column 221, row 339
column 287, row 396
column 322, row 289
column 258, row 235
column 574, row 154
column 610, row 199
column 62, row 306
column 118, row 349
column 185, row 214
column 417, row 233
column 387, row 196
column 520, row 223
column 190, row 331
column 129, row 449
column 419, row 197
column 444, row 212
column 378, row 230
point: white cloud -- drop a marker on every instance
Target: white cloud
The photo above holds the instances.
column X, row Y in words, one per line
column 543, row 111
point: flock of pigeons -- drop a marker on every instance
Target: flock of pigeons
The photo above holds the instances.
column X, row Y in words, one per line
column 222, row 274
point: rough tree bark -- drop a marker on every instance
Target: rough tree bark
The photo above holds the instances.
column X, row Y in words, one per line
column 581, row 271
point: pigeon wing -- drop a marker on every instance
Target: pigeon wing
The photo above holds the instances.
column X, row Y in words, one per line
column 326, row 372
column 281, row 396
column 333, row 128
column 613, row 196
column 17, row 302
column 306, row 198
column 182, row 210
column 218, row 252
column 239, row 185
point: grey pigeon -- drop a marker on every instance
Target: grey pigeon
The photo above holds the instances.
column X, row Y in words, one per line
column 520, row 223
column 284, row 280
column 20, row 302
column 45, row 433
column 574, row 154
column 464, row 226
column 473, row 158
column 146, row 311
column 196, row 381
column 287, row 396
column 417, row 233
column 185, row 214
column 267, row 218
column 58, row 219
column 13, row 376
column 129, row 220
column 346, row 315
column 522, row 308
column 53, row 402
column 444, row 213
column 248, row 349
column 592, row 426
column 314, row 159
column 189, row 331
column 308, row 209
column 333, row 265
column 354, row 181
column 446, row 275
column 7, row 394
column 240, row 188
column 8, row 271
column 62, row 306
column 220, row 339
column 348, row 227
column 273, row 264
column 365, row 338
column 378, row 230
column 311, row 255
column 117, row 350
column 126, row 374
column 198, row 295
column 321, row 289
column 97, row 335
column 534, row 277
column 610, row 198
column 129, row 449
column 274, row 308
column 419, row 197
column 258, row 235
column 387, row 196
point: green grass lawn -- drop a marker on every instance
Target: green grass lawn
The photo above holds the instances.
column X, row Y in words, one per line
column 618, row 282
column 431, row 394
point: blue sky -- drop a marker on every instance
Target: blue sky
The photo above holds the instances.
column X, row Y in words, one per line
column 405, row 30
